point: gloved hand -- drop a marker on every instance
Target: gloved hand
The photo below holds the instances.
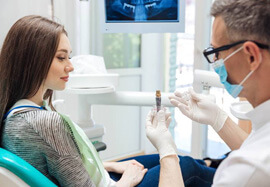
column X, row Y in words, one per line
column 158, row 134
column 199, row 108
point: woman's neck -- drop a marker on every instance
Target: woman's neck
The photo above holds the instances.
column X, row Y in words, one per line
column 38, row 97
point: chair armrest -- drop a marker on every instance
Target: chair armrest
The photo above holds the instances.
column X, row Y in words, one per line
column 100, row 146
column 23, row 169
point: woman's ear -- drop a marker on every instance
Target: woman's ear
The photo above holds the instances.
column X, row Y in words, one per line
column 253, row 54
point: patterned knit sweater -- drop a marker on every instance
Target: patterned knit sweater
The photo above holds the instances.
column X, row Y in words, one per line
column 43, row 139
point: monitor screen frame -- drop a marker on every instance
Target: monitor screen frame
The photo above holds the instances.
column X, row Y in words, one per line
column 143, row 27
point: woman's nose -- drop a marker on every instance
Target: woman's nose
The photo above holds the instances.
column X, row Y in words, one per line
column 69, row 68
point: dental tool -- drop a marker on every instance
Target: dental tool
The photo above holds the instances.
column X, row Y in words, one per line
column 158, row 100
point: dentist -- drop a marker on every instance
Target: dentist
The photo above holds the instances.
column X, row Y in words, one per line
column 240, row 55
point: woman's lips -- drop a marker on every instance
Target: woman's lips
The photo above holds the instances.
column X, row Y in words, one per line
column 65, row 78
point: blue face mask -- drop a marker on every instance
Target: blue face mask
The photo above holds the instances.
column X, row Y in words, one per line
column 219, row 67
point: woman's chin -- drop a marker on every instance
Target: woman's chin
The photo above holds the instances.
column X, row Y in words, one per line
column 60, row 88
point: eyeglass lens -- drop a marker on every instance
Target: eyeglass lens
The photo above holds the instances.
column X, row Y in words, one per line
column 213, row 56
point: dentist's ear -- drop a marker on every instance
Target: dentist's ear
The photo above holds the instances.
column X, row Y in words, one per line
column 253, row 54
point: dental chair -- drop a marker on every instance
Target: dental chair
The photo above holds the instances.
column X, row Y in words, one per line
column 15, row 172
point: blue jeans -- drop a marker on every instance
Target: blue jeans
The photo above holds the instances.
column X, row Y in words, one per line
column 195, row 172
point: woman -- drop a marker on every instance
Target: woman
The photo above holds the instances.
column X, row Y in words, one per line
column 34, row 61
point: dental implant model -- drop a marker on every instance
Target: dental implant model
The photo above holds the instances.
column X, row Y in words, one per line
column 158, row 100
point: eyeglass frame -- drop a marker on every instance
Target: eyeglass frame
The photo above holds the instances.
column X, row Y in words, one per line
column 226, row 47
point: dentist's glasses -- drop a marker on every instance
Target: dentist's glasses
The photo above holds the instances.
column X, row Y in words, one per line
column 212, row 54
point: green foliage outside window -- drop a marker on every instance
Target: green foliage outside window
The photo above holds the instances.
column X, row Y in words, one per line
column 122, row 50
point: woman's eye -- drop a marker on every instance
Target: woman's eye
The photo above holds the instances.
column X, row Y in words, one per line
column 61, row 58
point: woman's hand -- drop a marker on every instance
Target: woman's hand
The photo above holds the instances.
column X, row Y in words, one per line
column 120, row 167
column 132, row 175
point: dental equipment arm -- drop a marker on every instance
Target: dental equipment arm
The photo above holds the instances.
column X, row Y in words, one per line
column 125, row 98
column 129, row 98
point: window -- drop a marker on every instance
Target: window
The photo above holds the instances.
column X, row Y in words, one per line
column 122, row 50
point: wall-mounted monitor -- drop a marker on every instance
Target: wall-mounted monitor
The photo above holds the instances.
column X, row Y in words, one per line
column 142, row 16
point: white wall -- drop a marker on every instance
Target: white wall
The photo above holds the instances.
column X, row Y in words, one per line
column 12, row 10
column 68, row 13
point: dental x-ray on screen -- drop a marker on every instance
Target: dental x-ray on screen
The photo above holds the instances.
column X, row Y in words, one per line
column 142, row 16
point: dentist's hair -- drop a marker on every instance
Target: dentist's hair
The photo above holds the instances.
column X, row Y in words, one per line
column 25, row 58
column 245, row 19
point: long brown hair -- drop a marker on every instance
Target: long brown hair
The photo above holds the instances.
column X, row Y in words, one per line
column 25, row 59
